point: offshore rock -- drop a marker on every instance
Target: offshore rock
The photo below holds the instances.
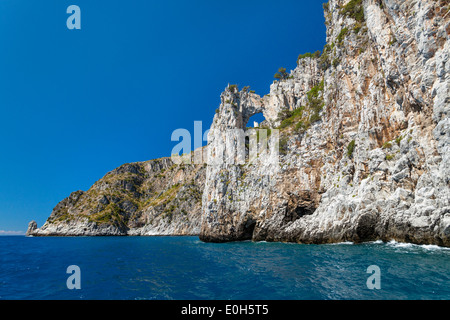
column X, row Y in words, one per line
column 31, row 227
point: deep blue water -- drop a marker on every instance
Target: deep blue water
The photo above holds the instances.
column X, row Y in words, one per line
column 186, row 268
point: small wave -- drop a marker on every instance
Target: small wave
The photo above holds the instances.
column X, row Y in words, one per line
column 341, row 243
column 433, row 247
column 374, row 242
column 429, row 247
column 396, row 244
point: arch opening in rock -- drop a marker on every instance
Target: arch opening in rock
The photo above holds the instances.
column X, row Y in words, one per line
column 256, row 120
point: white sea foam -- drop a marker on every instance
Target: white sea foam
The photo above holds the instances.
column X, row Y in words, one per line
column 340, row 243
column 374, row 242
column 400, row 244
column 429, row 247
column 433, row 247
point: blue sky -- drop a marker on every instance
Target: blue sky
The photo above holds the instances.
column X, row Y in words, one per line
column 75, row 104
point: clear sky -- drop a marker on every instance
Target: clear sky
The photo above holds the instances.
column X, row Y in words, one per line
column 75, row 104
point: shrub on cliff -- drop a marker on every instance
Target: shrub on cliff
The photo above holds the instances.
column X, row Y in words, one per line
column 283, row 145
column 324, row 60
column 288, row 117
column 284, row 114
column 233, row 88
column 281, row 74
column 387, row 145
column 355, row 10
column 350, row 148
column 315, row 102
column 308, row 55
column 342, row 35
column 302, row 126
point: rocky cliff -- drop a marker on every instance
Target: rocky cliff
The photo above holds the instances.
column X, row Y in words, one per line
column 154, row 197
column 364, row 136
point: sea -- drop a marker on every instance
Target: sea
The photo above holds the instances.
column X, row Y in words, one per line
column 184, row 268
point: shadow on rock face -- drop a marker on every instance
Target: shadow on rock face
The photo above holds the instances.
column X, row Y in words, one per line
column 300, row 205
column 365, row 229
column 249, row 227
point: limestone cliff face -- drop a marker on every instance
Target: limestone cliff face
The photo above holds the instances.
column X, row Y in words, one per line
column 364, row 136
column 154, row 197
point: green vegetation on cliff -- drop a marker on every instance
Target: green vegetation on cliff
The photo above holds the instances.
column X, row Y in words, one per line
column 314, row 55
column 281, row 74
column 300, row 119
column 355, row 10
column 125, row 196
column 351, row 148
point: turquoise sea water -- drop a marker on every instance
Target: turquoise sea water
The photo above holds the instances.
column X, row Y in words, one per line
column 186, row 268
